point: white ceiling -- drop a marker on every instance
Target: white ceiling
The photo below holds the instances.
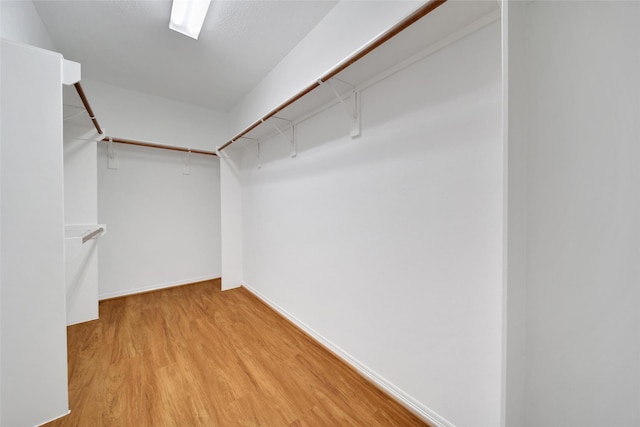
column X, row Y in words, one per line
column 128, row 43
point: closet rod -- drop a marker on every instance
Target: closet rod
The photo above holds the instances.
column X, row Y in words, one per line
column 419, row 13
column 91, row 235
column 87, row 107
column 153, row 145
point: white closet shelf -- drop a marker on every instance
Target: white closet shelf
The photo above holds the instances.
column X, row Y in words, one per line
column 442, row 26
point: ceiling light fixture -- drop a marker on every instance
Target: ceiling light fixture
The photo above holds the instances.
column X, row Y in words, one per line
column 187, row 16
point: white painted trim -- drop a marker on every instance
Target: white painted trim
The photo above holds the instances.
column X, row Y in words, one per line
column 156, row 287
column 400, row 396
column 504, row 46
column 56, row 418
column 71, row 72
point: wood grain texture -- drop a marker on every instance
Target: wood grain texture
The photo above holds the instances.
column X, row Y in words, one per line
column 196, row 356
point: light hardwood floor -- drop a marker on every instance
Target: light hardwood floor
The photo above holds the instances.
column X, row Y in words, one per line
column 196, row 356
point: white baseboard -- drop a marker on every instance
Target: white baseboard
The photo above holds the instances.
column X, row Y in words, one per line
column 126, row 292
column 403, row 398
column 58, row 417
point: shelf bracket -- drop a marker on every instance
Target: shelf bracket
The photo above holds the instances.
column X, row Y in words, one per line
column 291, row 139
column 351, row 105
column 258, row 156
column 243, row 145
column 112, row 160
column 186, row 163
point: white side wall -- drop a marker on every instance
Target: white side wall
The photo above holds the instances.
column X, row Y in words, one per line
column 231, row 218
column 515, row 120
column 19, row 21
column 583, row 321
column 34, row 352
column 346, row 28
column 80, row 195
column 1, row 138
column 389, row 247
column 135, row 115
column 81, row 207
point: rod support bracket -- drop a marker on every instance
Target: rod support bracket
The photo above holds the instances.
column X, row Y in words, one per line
column 292, row 139
column 112, row 159
column 351, row 105
column 186, row 163
column 356, row 128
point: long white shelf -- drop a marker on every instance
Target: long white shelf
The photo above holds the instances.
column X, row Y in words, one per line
column 442, row 26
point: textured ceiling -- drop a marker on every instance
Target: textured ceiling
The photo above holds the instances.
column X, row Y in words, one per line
column 128, row 43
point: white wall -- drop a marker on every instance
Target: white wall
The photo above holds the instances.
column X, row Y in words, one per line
column 346, row 28
column 389, row 247
column 134, row 115
column 231, row 218
column 81, row 180
column 34, row 352
column 583, row 210
column 80, row 208
column 515, row 121
column 163, row 226
column 19, row 21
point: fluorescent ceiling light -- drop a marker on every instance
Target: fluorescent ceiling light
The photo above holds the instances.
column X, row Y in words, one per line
column 187, row 16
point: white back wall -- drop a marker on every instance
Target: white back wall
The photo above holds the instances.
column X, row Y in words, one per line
column 390, row 245
column 80, row 177
column 583, row 322
column 163, row 226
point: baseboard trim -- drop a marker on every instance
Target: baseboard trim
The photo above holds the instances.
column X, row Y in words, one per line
column 417, row 408
column 56, row 418
column 157, row 287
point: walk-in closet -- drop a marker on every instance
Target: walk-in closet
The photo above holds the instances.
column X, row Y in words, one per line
column 309, row 213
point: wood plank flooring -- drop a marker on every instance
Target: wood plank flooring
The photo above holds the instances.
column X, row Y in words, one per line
column 196, row 356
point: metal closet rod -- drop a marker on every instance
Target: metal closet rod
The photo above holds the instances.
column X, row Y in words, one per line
column 93, row 118
column 419, row 13
column 91, row 235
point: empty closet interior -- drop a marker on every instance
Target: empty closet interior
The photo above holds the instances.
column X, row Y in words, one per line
column 445, row 194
